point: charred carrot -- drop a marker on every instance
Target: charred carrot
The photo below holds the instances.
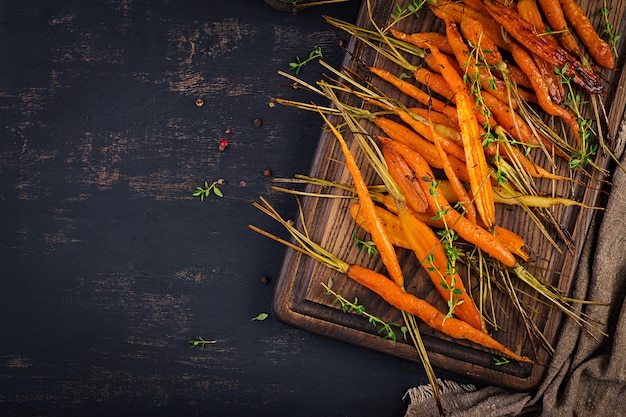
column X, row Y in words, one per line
column 475, row 160
column 597, row 47
column 529, row 10
column 553, row 12
column 524, row 60
column 379, row 236
column 452, row 327
column 524, row 33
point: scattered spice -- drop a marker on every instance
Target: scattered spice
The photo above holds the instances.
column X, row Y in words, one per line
column 257, row 122
column 267, row 172
column 265, row 280
column 199, row 102
column 224, row 143
column 242, row 183
column 227, row 131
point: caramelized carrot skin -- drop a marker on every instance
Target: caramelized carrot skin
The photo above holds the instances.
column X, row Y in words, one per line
column 524, row 33
column 597, row 47
column 402, row 300
column 555, row 16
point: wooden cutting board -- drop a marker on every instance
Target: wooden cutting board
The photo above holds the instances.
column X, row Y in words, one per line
column 301, row 301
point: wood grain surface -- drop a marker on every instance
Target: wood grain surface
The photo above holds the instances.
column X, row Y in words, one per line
column 108, row 265
column 301, row 300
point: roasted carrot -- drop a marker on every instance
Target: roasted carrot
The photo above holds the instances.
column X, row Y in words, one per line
column 403, row 177
column 553, row 12
column 424, row 243
column 391, row 223
column 466, row 229
column 402, row 300
column 475, row 69
column 420, row 39
column 475, row 160
column 436, row 117
column 597, row 47
column 459, row 190
column 390, row 292
column 456, row 11
column 529, row 10
column 524, row 60
column 379, row 236
column 415, row 92
column 524, row 33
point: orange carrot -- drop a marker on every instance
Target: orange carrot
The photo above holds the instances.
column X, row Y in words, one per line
column 525, row 34
column 421, row 39
column 457, row 186
column 475, row 70
column 388, row 216
column 456, row 11
column 529, row 10
column 414, row 92
column 597, row 47
column 437, row 117
column 403, row 177
column 525, row 61
column 467, row 230
column 556, row 18
column 378, row 234
column 475, row 160
column 402, row 300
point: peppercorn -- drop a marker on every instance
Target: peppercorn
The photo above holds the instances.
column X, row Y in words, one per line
column 267, row 172
column 257, row 122
column 224, row 143
column 265, row 280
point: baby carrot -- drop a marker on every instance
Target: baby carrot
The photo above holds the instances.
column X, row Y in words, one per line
column 414, row 92
column 556, row 18
column 524, row 60
column 529, row 10
column 378, row 234
column 467, row 230
column 402, row 300
column 462, row 196
column 597, row 47
column 524, row 33
column 436, row 117
column 475, row 160
column 420, row 39
column 403, row 176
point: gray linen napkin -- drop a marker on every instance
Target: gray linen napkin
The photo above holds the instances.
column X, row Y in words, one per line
column 585, row 377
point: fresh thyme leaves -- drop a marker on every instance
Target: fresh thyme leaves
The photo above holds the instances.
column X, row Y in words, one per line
column 607, row 31
column 587, row 150
column 200, row 343
column 399, row 13
column 209, row 189
column 296, row 66
column 368, row 247
column 353, row 306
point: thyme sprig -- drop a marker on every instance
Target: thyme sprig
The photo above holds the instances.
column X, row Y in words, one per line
column 296, row 66
column 348, row 306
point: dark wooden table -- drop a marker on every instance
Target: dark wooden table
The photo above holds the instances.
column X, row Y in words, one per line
column 109, row 265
